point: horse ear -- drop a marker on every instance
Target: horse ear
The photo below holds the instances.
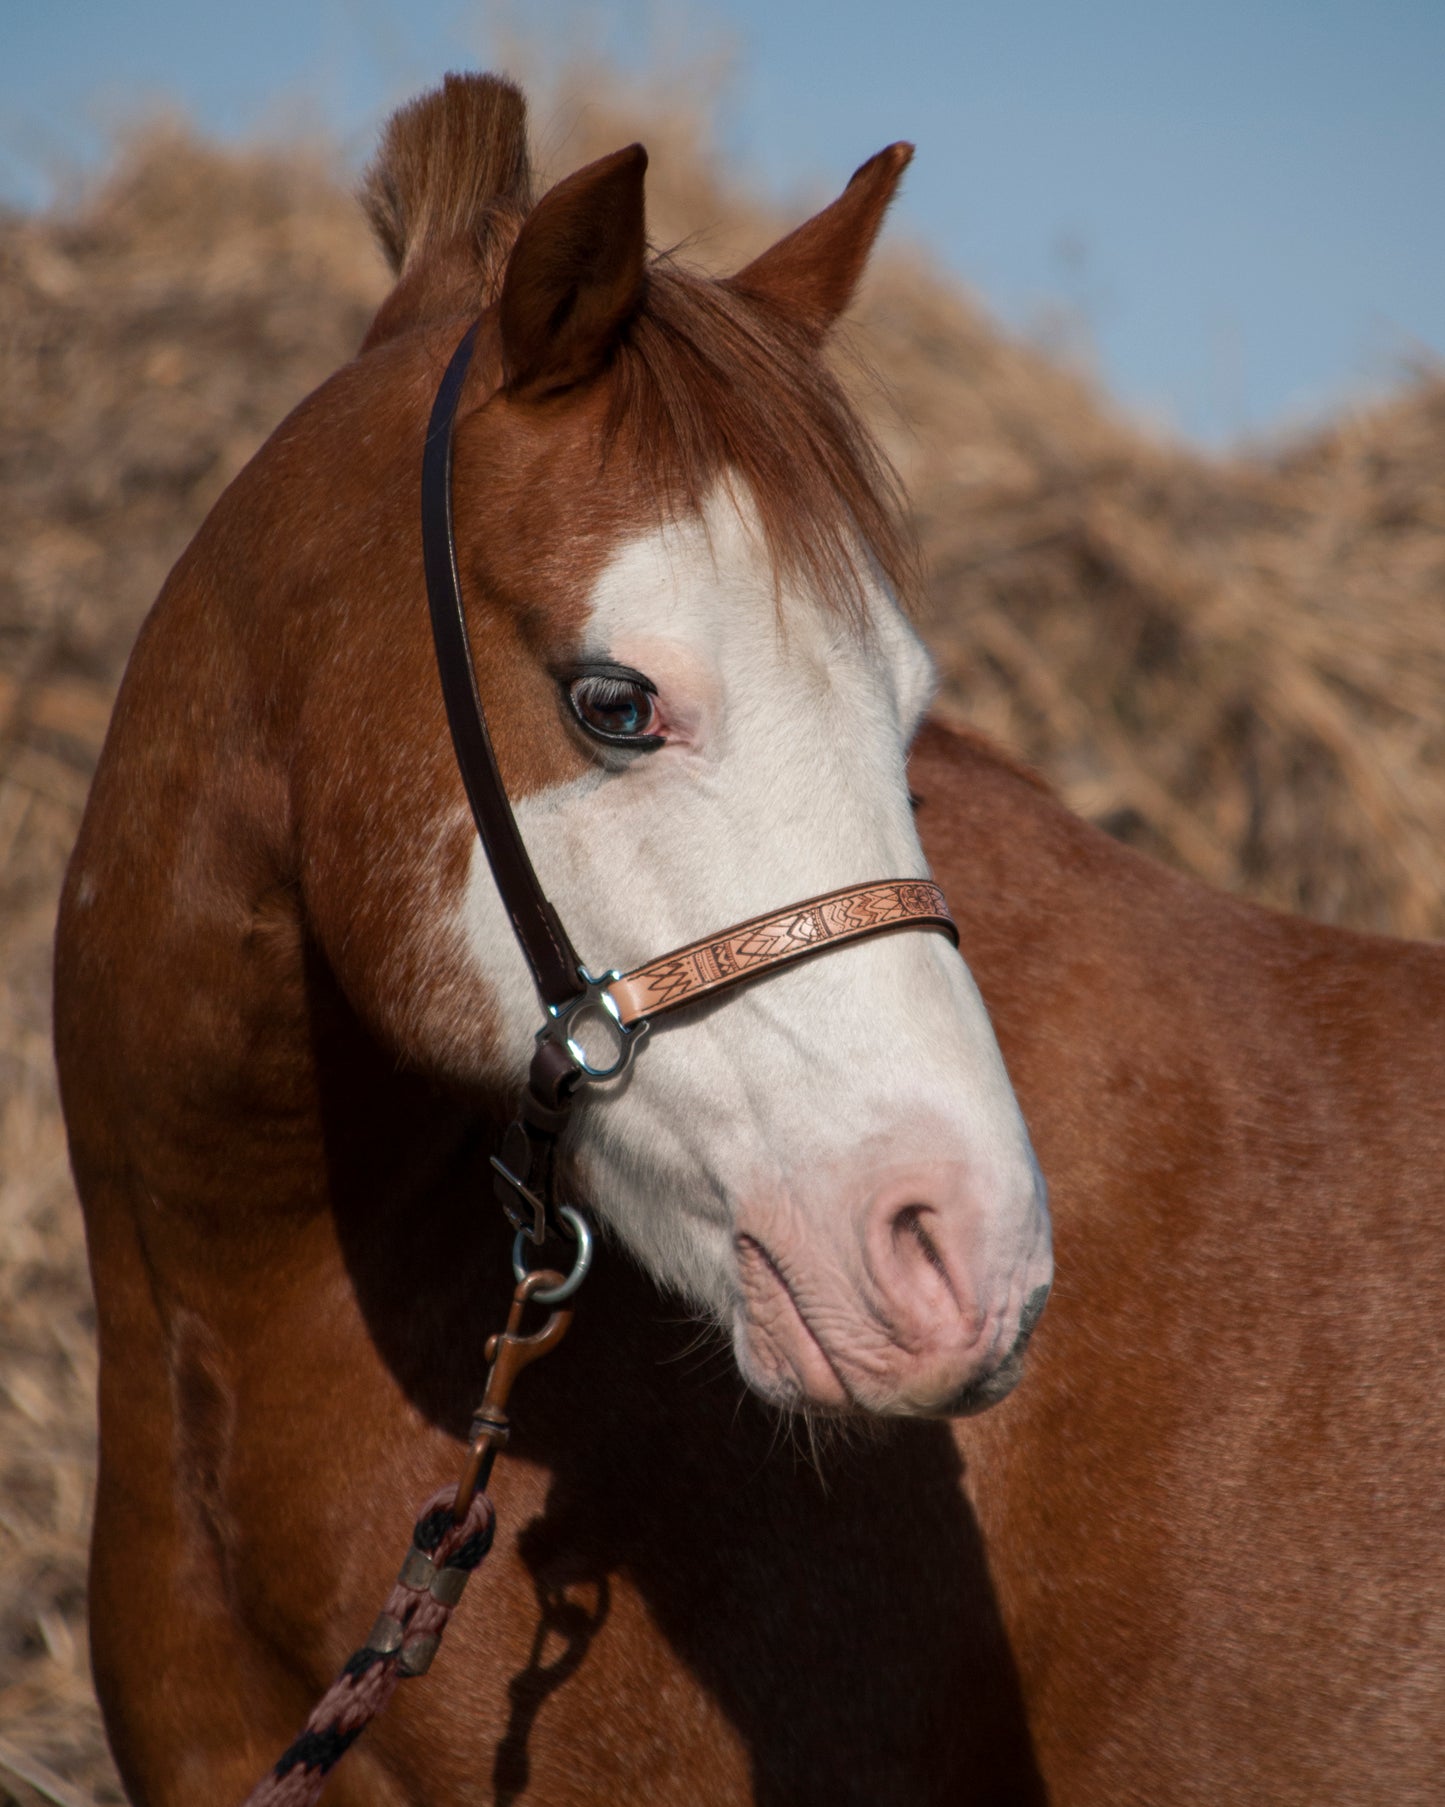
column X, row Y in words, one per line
column 812, row 273
column 575, row 276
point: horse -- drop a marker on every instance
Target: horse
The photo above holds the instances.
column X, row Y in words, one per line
column 831, row 1547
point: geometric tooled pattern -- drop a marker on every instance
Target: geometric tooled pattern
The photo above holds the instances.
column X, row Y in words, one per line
column 769, row 942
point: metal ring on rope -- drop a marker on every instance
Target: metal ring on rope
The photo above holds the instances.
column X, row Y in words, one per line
column 581, row 1230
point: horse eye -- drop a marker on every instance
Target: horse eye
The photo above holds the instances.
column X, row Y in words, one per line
column 619, row 707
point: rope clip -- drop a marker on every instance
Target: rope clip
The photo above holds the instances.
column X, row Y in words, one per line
column 508, row 1352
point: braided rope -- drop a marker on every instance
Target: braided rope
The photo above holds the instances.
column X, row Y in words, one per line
column 402, row 1643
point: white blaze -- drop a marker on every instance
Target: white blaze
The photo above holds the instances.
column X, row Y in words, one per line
column 787, row 778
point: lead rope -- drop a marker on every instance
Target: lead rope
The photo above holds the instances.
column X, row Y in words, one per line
column 453, row 1533
column 402, row 1643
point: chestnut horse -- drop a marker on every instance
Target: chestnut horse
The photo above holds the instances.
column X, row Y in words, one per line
column 1196, row 1557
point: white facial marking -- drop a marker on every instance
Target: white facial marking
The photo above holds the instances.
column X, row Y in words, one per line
column 850, row 1118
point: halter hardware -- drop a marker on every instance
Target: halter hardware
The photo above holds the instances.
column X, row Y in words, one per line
column 576, row 1226
column 596, row 996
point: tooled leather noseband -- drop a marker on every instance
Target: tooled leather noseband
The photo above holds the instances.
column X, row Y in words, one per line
column 628, row 1002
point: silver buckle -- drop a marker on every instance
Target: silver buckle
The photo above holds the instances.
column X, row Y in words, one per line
column 562, row 1024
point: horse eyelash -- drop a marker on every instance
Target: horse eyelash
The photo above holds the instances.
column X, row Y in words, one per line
column 617, row 674
column 608, row 689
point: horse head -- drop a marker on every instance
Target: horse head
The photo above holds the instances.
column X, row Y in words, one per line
column 682, row 562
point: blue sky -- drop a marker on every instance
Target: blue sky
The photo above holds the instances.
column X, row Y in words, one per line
column 1238, row 208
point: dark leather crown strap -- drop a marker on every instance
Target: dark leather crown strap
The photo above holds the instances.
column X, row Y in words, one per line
column 535, row 923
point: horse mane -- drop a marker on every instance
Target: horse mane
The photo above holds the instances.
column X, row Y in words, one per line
column 709, row 382
column 453, row 164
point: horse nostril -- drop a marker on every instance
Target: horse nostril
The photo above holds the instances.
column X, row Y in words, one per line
column 908, row 1221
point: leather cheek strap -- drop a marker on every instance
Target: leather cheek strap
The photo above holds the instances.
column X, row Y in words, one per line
column 766, row 943
column 536, row 925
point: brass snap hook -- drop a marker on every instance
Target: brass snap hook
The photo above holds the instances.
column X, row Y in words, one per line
column 508, row 1352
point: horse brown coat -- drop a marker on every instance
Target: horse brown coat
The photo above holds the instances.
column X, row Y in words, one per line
column 1195, row 1558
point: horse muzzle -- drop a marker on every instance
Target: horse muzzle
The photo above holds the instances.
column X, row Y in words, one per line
column 925, row 1307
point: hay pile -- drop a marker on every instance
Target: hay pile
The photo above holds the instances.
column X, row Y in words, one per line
column 1239, row 665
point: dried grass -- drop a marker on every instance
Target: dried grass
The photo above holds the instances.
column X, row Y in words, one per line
column 1240, row 665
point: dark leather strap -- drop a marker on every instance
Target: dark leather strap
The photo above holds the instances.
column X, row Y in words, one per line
column 535, row 923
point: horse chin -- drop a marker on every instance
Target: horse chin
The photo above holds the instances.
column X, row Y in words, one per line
column 785, row 1359
column 789, row 1368
column 794, row 1386
column 978, row 1395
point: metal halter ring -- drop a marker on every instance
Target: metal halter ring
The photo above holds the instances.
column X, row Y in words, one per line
column 561, row 1024
column 574, row 1221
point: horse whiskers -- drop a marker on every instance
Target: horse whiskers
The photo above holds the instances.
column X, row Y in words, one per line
column 707, row 1331
column 809, row 1433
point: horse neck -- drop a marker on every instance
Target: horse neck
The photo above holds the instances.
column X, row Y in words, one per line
column 235, row 1088
column 1184, row 1059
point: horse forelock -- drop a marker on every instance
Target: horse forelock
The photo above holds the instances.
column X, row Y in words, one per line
column 710, row 384
column 706, row 389
column 707, row 379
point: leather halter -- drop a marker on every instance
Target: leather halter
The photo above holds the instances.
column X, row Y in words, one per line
column 627, row 1002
